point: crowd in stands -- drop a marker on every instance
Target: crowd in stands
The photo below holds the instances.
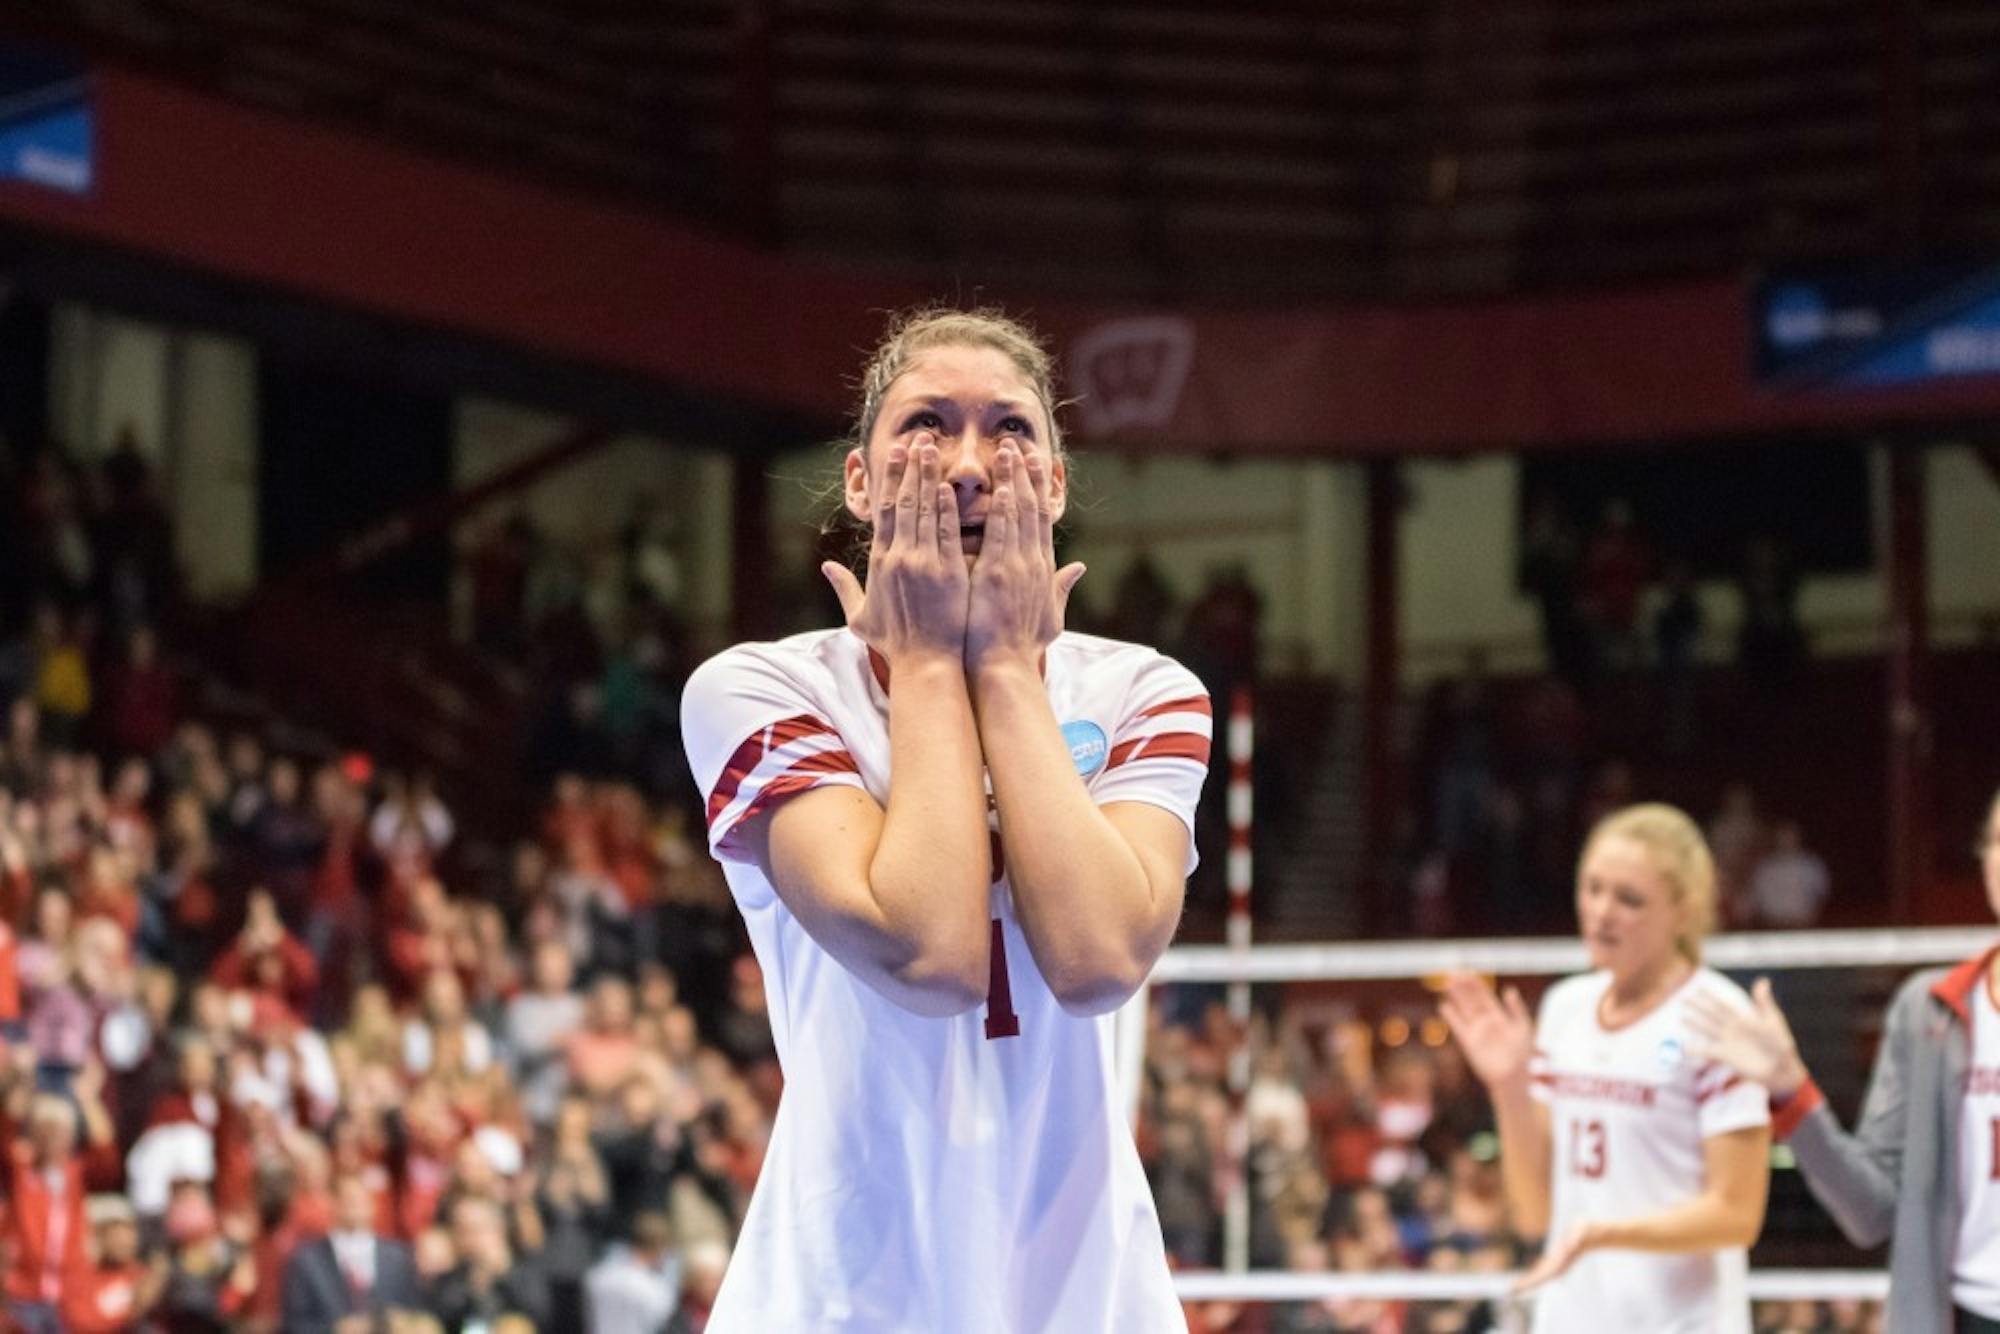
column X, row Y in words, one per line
column 1511, row 777
column 1511, row 773
column 280, row 1051
column 251, row 1003
column 593, row 626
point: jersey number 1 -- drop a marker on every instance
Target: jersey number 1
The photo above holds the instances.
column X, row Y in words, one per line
column 1001, row 1021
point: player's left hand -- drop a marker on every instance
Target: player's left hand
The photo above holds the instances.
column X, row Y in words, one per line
column 1018, row 595
column 1558, row 1258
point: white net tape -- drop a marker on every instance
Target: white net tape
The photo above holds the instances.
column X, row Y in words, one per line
column 1538, row 957
column 1385, row 960
column 1278, row 1285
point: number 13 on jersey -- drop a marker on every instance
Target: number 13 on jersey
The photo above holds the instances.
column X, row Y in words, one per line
column 1586, row 1149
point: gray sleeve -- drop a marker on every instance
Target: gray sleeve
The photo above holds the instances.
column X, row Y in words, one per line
column 1855, row 1176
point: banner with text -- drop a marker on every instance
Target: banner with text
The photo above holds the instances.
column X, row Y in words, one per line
column 45, row 119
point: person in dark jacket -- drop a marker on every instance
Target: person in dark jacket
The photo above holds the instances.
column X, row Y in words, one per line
column 489, row 1281
column 351, row 1271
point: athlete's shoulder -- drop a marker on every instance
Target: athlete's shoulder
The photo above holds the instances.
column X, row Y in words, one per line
column 1707, row 982
column 1088, row 650
column 750, row 686
column 1117, row 670
column 1572, row 995
column 800, row 654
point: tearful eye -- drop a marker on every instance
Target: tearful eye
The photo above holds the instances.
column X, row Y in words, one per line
column 924, row 421
column 1017, row 426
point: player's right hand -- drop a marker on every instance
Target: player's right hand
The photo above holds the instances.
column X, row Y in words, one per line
column 1496, row 1033
column 918, row 592
column 1756, row 1043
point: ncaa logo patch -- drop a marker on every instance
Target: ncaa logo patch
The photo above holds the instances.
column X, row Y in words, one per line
column 1670, row 1052
column 1088, row 748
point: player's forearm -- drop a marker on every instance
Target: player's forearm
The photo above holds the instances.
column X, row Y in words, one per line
column 931, row 867
column 1524, row 1156
column 1713, row 1220
column 1085, row 902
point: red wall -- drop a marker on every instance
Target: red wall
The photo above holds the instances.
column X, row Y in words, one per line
column 319, row 212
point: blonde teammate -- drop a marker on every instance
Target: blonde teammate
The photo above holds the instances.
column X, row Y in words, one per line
column 959, row 837
column 1645, row 1166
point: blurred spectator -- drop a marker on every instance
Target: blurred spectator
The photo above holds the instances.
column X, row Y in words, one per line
column 1770, row 642
column 1464, row 767
column 701, row 1278
column 1676, row 640
column 211, row 1276
column 120, row 1290
column 575, row 1206
column 636, row 1288
column 351, row 1270
column 541, row 1019
column 489, row 1280
column 45, row 1228
column 62, row 673
column 1616, row 570
column 1790, row 886
column 1220, row 636
column 1551, row 568
column 1142, row 605
column 267, row 958
column 411, row 820
column 139, row 698
column 1736, row 838
column 498, row 572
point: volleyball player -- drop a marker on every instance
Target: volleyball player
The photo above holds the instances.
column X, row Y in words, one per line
column 1645, row 1166
column 959, row 837
column 1921, row 1169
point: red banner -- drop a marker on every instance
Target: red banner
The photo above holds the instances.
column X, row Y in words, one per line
column 360, row 224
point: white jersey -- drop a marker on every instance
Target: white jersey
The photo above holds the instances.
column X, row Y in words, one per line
column 972, row 1174
column 1628, row 1110
column 1975, row 1271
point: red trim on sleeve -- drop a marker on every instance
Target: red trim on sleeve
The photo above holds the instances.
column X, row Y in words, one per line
column 1717, row 1090
column 746, row 757
column 1166, row 746
column 1192, row 704
column 772, row 794
column 826, row 762
column 1787, row 1115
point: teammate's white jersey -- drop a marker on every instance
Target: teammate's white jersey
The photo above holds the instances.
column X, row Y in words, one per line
column 1628, row 1111
column 964, row 1175
column 1975, row 1271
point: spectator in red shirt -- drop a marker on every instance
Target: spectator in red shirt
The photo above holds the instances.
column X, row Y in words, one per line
column 44, row 1225
column 267, row 958
column 139, row 700
column 120, row 1289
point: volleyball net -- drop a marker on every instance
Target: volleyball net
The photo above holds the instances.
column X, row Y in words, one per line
column 1306, row 970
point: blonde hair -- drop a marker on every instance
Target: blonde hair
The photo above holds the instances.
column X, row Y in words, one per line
column 917, row 331
column 1680, row 855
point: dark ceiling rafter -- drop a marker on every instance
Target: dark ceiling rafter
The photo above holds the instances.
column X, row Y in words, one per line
column 1171, row 149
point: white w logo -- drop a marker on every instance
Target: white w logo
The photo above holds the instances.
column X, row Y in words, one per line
column 1130, row 373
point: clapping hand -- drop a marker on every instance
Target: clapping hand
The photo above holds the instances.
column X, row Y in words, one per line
column 1755, row 1043
column 1496, row 1033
